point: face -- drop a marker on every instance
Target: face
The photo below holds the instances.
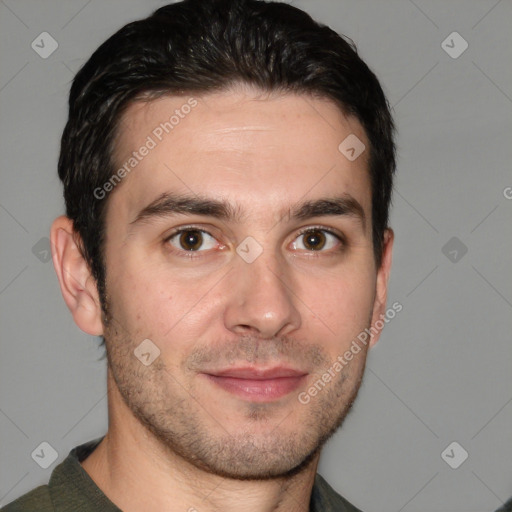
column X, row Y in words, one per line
column 240, row 245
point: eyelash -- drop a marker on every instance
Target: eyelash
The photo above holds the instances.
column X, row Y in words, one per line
column 198, row 255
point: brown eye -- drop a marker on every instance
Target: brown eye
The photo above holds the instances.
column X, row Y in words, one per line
column 316, row 239
column 191, row 240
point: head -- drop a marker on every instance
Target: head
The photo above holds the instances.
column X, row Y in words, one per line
column 225, row 119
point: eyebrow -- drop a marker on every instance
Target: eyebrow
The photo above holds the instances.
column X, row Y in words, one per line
column 168, row 204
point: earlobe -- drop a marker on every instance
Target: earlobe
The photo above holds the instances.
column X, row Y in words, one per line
column 77, row 285
column 381, row 287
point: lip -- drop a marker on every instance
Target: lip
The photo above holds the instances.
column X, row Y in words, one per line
column 258, row 384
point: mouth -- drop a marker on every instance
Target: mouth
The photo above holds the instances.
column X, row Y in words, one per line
column 257, row 384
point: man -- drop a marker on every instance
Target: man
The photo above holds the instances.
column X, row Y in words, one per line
column 227, row 169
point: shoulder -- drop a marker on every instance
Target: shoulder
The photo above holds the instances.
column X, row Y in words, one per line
column 69, row 488
column 506, row 507
column 325, row 498
column 36, row 500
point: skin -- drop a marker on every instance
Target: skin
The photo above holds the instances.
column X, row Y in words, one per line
column 175, row 439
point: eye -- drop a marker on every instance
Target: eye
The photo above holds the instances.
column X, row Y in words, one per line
column 191, row 240
column 316, row 239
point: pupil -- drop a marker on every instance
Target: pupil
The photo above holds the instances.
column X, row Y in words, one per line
column 191, row 240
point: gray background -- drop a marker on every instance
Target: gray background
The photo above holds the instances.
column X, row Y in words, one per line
column 442, row 369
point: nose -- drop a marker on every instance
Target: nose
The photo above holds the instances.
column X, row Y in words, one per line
column 261, row 300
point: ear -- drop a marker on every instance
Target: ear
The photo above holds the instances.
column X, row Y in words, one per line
column 381, row 287
column 77, row 285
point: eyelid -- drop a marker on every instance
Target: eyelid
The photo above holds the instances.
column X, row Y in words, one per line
column 188, row 227
column 329, row 230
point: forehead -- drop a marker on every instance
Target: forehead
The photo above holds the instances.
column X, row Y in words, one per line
column 256, row 150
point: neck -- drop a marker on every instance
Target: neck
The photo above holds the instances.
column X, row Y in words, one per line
column 136, row 472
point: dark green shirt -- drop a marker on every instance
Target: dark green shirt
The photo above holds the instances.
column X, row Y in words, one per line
column 506, row 507
column 71, row 489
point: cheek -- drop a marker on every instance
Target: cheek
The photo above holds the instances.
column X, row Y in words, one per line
column 161, row 305
column 345, row 304
column 143, row 303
